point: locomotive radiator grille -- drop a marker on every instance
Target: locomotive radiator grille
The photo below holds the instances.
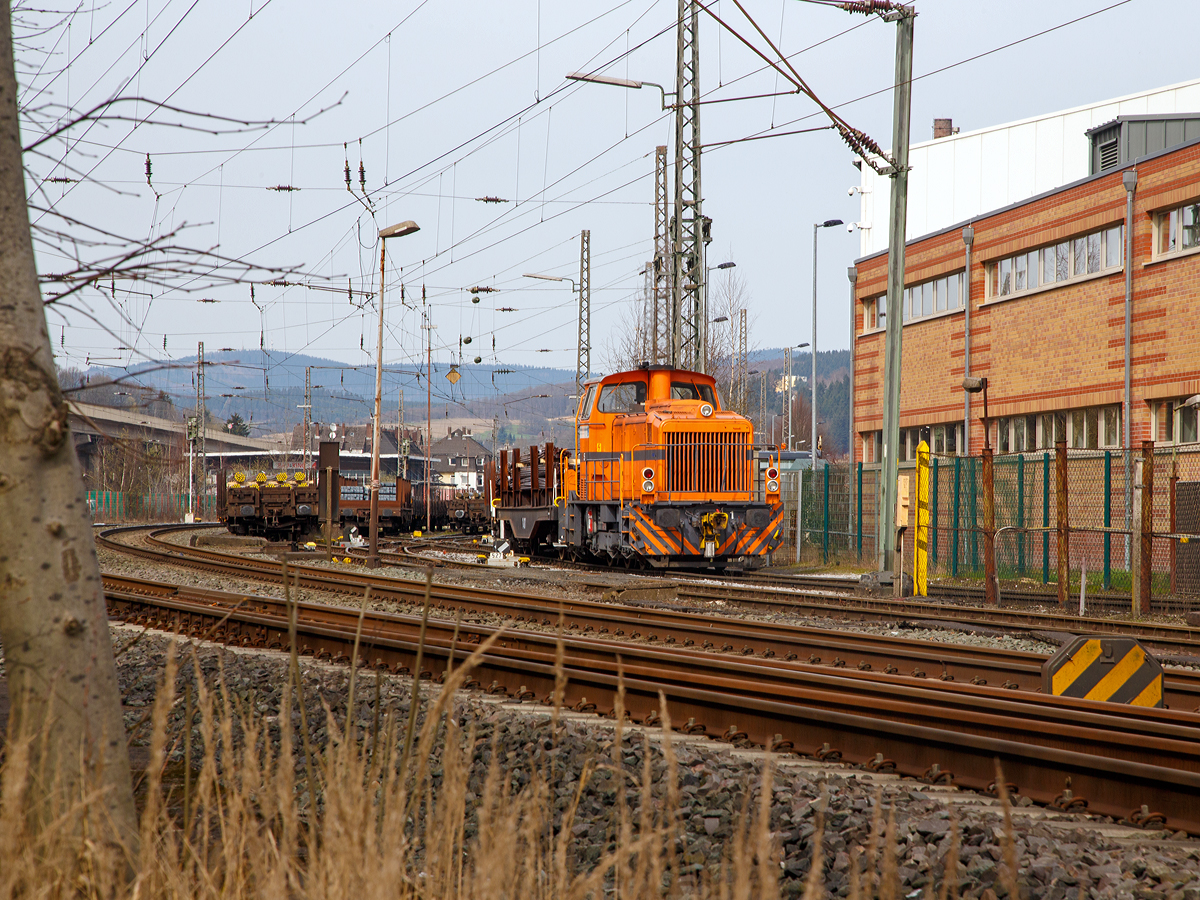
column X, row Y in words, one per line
column 700, row 462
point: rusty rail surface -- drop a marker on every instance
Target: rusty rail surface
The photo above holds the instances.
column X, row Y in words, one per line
column 833, row 648
column 1059, row 752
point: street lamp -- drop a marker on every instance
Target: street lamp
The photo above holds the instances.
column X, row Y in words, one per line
column 579, row 376
column 828, row 223
column 399, row 230
column 974, row 386
column 704, row 316
column 618, row 82
column 787, row 354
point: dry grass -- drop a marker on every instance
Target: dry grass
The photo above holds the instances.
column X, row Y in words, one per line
column 260, row 812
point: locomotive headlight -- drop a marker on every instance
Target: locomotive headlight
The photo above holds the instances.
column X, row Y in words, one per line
column 706, row 410
column 647, row 486
column 648, row 473
column 772, row 487
column 772, row 473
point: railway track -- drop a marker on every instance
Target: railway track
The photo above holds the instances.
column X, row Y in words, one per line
column 692, row 627
column 410, row 554
column 1174, row 642
column 1133, row 764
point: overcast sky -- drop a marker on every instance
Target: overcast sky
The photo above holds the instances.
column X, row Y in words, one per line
column 446, row 102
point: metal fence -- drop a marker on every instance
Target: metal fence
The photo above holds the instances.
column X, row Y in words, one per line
column 839, row 517
column 124, row 506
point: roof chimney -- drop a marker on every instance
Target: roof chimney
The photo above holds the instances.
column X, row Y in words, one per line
column 943, row 128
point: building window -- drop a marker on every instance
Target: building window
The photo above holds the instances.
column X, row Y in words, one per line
column 872, row 446
column 932, row 297
column 1177, row 230
column 1017, row 434
column 1094, row 428
column 1174, row 423
column 1080, row 257
column 943, row 440
column 1052, row 428
column 875, row 314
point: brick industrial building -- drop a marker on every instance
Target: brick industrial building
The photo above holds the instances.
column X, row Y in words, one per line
column 1041, row 312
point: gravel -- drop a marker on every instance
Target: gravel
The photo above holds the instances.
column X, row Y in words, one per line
column 1058, row 855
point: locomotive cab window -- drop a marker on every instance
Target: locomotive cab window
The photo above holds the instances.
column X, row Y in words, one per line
column 629, row 396
column 585, row 408
column 686, row 390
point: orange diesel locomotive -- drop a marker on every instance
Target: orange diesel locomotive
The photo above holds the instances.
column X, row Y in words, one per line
column 662, row 477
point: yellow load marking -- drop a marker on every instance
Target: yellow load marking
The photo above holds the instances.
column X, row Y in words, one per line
column 1115, row 680
column 1078, row 664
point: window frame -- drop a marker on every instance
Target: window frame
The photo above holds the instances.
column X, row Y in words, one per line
column 1071, row 267
column 1169, row 421
column 1163, row 216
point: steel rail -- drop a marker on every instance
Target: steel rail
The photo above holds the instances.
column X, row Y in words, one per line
column 837, row 649
column 1177, row 638
column 1051, row 747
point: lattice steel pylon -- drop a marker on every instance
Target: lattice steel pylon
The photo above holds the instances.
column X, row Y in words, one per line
column 583, row 359
column 660, row 323
column 687, row 224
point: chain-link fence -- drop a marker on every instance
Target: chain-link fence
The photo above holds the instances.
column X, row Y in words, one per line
column 839, row 516
column 830, row 514
column 125, row 506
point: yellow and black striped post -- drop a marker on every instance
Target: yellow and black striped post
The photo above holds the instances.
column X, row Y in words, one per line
column 1116, row 670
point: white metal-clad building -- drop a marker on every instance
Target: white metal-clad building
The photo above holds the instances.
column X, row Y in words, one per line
column 961, row 176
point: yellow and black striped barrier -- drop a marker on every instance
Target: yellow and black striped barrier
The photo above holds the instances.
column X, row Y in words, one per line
column 1115, row 670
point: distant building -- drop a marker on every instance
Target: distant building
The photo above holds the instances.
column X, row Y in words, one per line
column 460, row 460
column 356, row 440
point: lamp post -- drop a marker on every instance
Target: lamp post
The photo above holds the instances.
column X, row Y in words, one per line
column 787, row 354
column 828, row 223
column 991, row 578
column 703, row 317
column 618, row 82
column 399, row 230
column 585, row 332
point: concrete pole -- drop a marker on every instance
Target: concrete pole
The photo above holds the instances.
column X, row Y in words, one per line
column 897, row 220
column 812, row 435
column 968, row 236
column 373, row 552
column 787, row 387
column 852, row 275
column 1129, row 180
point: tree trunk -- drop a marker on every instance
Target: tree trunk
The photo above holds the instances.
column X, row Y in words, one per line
column 53, row 624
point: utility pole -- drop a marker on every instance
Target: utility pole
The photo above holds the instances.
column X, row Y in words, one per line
column 428, row 403
column 688, row 226
column 583, row 356
column 661, row 322
column 897, row 220
column 201, row 425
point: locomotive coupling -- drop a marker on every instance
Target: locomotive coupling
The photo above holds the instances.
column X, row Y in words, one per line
column 710, row 524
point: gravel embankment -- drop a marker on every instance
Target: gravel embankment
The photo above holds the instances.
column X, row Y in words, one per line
column 1059, row 856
